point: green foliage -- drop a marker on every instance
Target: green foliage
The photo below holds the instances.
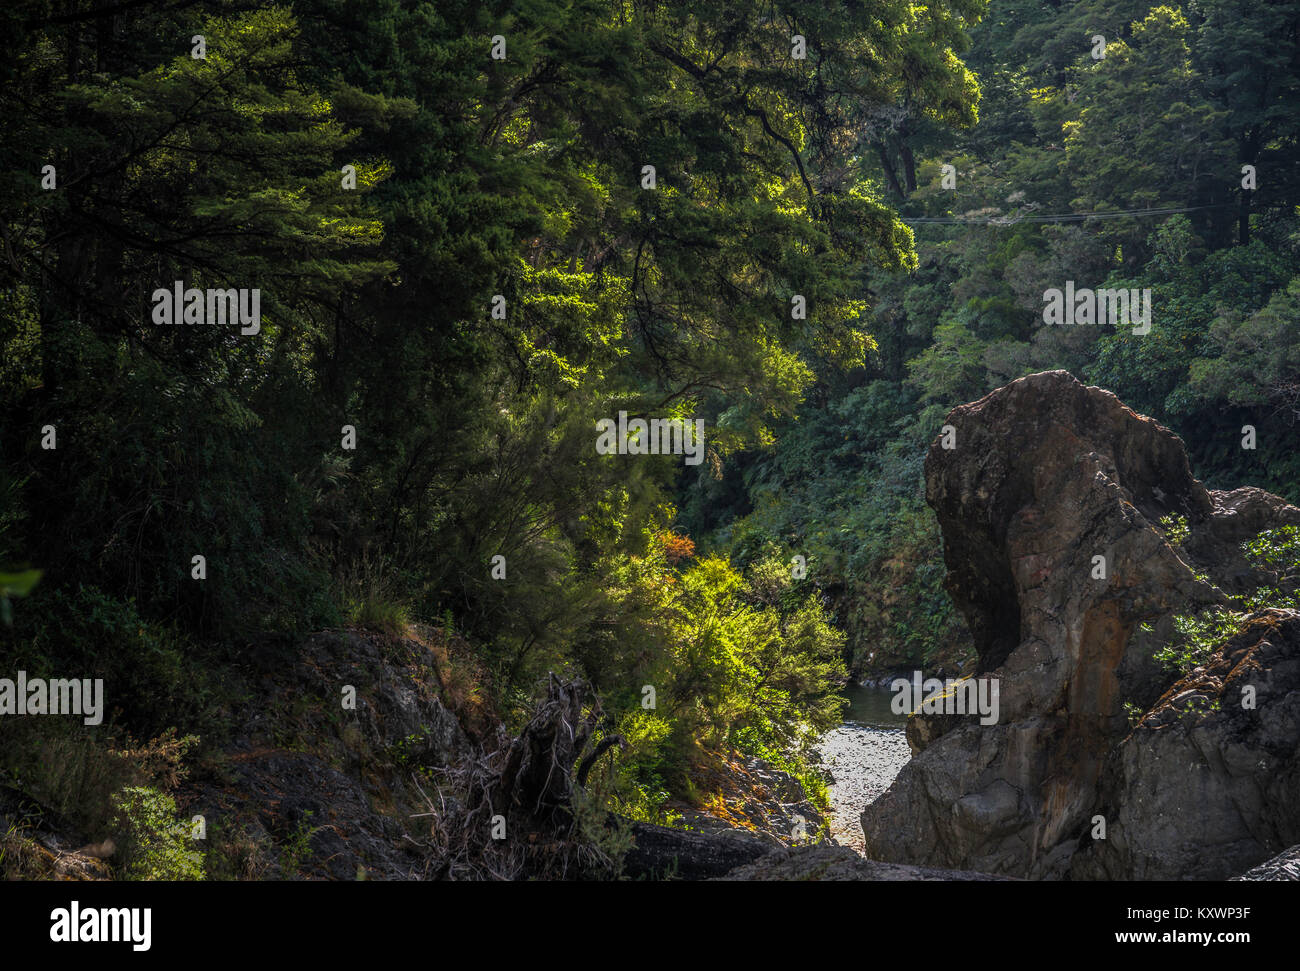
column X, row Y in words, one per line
column 1059, row 132
column 370, row 596
column 77, row 774
column 1117, row 162
column 296, row 848
column 1199, row 636
column 611, row 838
column 1275, row 553
column 15, row 585
column 742, row 663
column 775, row 177
column 633, row 786
column 844, row 489
column 154, row 843
column 1176, row 529
column 149, row 668
column 474, row 431
column 736, row 664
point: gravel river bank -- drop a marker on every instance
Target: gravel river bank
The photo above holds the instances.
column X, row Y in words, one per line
column 864, row 755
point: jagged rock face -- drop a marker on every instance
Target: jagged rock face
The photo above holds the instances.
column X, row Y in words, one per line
column 1284, row 866
column 1203, row 797
column 1046, row 475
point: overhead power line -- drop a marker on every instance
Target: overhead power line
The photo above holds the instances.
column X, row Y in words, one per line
column 1062, row 217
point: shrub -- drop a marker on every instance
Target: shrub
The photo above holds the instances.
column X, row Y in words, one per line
column 154, row 843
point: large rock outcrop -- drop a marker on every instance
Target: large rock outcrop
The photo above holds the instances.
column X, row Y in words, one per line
column 841, row 864
column 1046, row 476
column 1284, row 866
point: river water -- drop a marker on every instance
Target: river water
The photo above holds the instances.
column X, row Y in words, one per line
column 863, row 754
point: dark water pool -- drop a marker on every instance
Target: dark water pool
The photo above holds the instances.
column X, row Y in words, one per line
column 870, row 707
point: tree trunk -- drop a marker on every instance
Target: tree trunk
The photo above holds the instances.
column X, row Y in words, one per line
column 890, row 173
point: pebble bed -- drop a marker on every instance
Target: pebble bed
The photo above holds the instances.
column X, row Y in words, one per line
column 864, row 761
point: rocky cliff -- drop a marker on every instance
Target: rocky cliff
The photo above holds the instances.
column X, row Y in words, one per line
column 1051, row 501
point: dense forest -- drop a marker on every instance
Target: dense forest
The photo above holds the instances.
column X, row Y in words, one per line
column 476, row 231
